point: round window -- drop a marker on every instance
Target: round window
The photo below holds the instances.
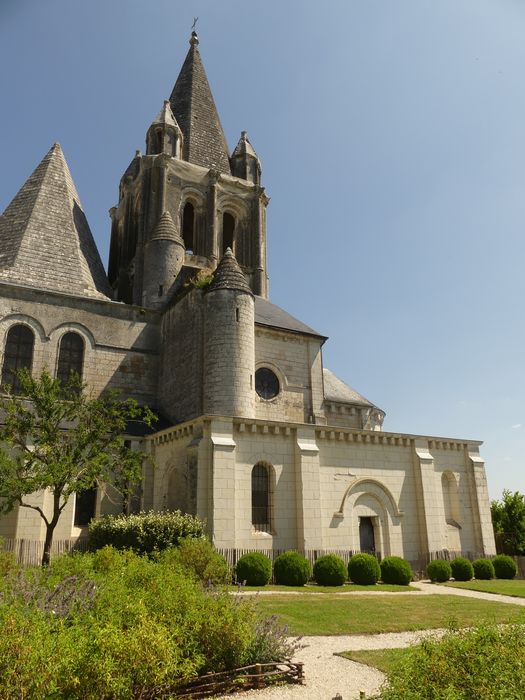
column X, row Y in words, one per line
column 266, row 383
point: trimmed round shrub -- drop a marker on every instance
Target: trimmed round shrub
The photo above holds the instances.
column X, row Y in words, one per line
column 439, row 570
column 462, row 569
column 330, row 570
column 504, row 566
column 483, row 569
column 364, row 569
column 291, row 569
column 255, row 568
column 395, row 570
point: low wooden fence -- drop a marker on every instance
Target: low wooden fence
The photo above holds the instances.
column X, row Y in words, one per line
column 246, row 678
column 29, row 552
column 233, row 555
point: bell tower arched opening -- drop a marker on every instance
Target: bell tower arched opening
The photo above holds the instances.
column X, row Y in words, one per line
column 188, row 227
column 228, row 232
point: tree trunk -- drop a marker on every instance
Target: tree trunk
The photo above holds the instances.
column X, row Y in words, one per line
column 50, row 527
column 46, row 556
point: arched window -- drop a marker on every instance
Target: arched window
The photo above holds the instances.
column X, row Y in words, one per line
column 188, row 226
column 228, row 229
column 18, row 354
column 261, row 516
column 70, row 356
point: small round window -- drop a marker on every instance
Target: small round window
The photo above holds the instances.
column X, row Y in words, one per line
column 266, row 383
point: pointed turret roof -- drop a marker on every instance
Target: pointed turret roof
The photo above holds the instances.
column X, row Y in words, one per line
column 165, row 228
column 229, row 275
column 165, row 116
column 45, row 240
column 244, row 147
column 195, row 111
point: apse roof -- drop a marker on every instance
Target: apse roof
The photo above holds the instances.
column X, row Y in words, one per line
column 336, row 390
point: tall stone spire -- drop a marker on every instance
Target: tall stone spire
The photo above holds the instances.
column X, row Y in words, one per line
column 195, row 111
column 45, row 239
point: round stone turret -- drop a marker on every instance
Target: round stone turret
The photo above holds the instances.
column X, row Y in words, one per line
column 163, row 260
column 229, row 352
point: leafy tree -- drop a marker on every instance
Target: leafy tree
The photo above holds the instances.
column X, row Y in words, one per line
column 57, row 438
column 508, row 519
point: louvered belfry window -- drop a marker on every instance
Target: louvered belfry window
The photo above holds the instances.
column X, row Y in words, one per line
column 18, row 354
column 261, row 498
column 70, row 356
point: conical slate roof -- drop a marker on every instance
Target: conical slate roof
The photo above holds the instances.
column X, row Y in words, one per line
column 229, row 275
column 195, row 111
column 165, row 228
column 165, row 116
column 45, row 240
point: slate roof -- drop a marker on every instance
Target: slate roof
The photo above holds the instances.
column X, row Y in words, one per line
column 45, row 240
column 194, row 109
column 165, row 228
column 268, row 314
column 336, row 390
column 228, row 275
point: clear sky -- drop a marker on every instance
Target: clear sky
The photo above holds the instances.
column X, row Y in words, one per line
column 392, row 139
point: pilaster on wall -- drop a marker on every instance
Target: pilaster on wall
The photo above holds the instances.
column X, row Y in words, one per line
column 481, row 503
column 431, row 497
column 308, row 490
column 222, row 507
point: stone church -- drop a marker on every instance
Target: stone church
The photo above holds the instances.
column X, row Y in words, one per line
column 255, row 435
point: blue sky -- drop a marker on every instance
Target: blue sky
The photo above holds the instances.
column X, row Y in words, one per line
column 392, row 138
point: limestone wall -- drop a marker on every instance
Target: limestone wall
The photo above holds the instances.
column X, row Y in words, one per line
column 121, row 342
column 296, row 360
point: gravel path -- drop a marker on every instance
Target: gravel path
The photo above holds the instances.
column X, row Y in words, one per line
column 326, row 674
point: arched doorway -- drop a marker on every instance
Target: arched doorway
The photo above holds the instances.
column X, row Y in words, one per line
column 367, row 541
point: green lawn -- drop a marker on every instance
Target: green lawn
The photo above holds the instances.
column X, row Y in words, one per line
column 333, row 614
column 314, row 588
column 514, row 587
column 383, row 659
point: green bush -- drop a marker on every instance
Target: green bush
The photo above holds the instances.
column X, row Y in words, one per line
column 395, row 570
column 462, row 569
column 504, row 566
column 486, row 663
column 330, row 570
column 124, row 627
column 255, row 568
column 483, row 569
column 144, row 533
column 364, row 569
column 439, row 570
column 198, row 556
column 291, row 569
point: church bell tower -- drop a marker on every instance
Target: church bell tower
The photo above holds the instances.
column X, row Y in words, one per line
column 187, row 200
